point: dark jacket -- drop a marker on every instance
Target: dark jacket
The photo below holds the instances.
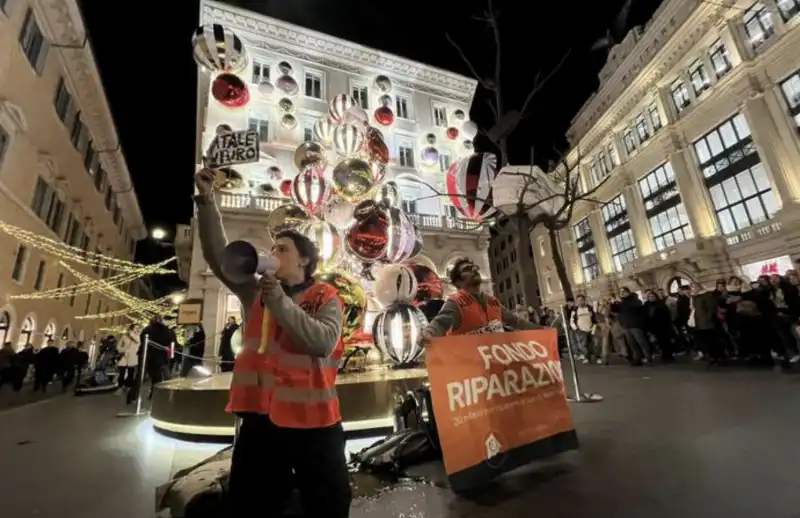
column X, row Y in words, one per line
column 197, row 344
column 705, row 310
column 161, row 337
column 225, row 349
column 683, row 308
column 659, row 318
column 630, row 312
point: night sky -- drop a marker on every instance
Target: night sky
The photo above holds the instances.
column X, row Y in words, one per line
column 143, row 49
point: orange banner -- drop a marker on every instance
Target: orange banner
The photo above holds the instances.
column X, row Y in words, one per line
column 499, row 402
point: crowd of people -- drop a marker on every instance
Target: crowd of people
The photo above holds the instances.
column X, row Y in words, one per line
column 42, row 366
column 755, row 323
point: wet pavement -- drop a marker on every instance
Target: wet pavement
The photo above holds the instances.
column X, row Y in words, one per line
column 678, row 442
column 11, row 399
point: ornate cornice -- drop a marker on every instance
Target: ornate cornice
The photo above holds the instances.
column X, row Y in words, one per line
column 283, row 38
column 65, row 31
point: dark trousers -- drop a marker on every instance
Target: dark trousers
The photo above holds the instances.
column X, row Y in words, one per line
column 638, row 345
column 709, row 342
column 269, row 462
column 665, row 337
column 126, row 377
column 156, row 373
column 41, row 378
column 67, row 377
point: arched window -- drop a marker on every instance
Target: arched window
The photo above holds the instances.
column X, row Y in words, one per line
column 26, row 332
column 5, row 327
column 65, row 334
column 49, row 333
column 676, row 283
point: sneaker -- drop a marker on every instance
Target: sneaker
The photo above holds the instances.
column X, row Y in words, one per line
column 602, row 362
column 795, row 358
column 699, row 356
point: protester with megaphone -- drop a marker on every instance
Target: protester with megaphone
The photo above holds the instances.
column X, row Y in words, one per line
column 283, row 385
column 469, row 311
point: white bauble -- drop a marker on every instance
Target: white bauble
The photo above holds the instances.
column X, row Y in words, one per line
column 395, row 283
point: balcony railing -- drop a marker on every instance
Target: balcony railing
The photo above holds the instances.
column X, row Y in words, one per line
column 243, row 201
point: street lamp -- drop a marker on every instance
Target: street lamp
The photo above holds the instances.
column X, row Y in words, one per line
column 158, row 233
column 177, row 298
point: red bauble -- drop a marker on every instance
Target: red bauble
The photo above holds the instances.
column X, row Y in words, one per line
column 310, row 190
column 376, row 146
column 286, row 188
column 429, row 285
column 452, row 133
column 384, row 116
column 230, row 91
column 368, row 237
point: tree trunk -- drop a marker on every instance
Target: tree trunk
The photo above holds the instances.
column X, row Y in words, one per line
column 558, row 260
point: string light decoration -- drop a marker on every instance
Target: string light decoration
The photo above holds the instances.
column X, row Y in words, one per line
column 126, row 312
column 77, row 255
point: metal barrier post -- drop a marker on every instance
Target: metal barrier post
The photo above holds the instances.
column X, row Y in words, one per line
column 579, row 397
column 139, row 383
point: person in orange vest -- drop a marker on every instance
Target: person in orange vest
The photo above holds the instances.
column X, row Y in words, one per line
column 284, row 381
column 469, row 311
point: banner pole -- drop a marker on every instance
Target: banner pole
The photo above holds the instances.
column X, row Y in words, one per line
column 579, row 397
column 139, row 383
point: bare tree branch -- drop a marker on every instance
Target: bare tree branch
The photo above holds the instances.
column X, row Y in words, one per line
column 538, row 85
column 466, row 60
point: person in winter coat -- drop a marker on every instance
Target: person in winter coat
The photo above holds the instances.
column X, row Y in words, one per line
column 226, row 353
column 703, row 322
column 45, row 366
column 583, row 323
column 157, row 337
column 8, row 361
column 128, row 349
column 195, row 350
column 659, row 323
column 631, row 316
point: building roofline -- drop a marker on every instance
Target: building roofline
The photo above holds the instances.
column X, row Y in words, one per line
column 68, row 36
column 313, row 46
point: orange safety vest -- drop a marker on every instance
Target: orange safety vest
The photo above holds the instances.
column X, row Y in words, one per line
column 474, row 319
column 295, row 389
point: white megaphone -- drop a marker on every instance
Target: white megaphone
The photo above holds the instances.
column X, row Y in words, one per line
column 241, row 261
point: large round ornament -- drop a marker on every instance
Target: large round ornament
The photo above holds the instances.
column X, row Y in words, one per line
column 378, row 172
column 386, row 101
column 274, row 173
column 339, row 212
column 328, row 241
column 286, row 217
column 347, row 140
column 377, row 149
column 368, row 237
column 469, row 184
column 310, row 190
column 429, row 285
column 230, row 91
column 430, row 138
column 459, row 115
column 352, row 179
column 469, row 129
column 323, row 130
column 402, row 237
column 287, row 85
column 396, row 331
column 388, row 195
column 353, row 299
column 309, row 155
column 285, row 68
column 383, row 84
column 285, row 188
column 468, row 145
column 430, row 156
column 288, row 121
column 339, row 106
column 452, row 133
column 384, row 116
column 265, row 87
column 357, row 116
column 217, row 49
column 395, row 283
column 286, row 105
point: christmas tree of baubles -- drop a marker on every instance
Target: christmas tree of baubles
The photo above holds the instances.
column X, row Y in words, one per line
column 341, row 200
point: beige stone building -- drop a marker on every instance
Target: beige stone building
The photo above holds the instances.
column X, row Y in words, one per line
column 62, row 172
column 695, row 124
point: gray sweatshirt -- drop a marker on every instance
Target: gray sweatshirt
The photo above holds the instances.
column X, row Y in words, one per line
column 449, row 317
column 318, row 334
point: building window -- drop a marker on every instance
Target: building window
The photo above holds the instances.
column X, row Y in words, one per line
column 410, row 206
column 620, row 235
column 439, row 116
column 586, row 249
column 664, row 208
column 612, row 154
column 260, row 72
column 699, row 77
column 361, row 96
column 738, row 184
column 791, row 91
column 19, row 263
column 77, row 132
column 261, row 126
column 47, row 205
column 88, row 303
column 680, row 95
column 308, row 132
column 314, row 85
column 655, row 117
column 33, row 43
column 37, row 284
column 602, row 164
column 720, row 58
column 641, row 128
column 99, row 178
column 548, row 285
column 630, row 141
column 60, row 281
column 788, row 8
column 445, row 161
column 401, row 105
column 405, row 154
column 451, row 212
column 758, row 24
column 109, row 197
column 62, row 100
column 5, row 141
column 90, row 158
column 593, row 173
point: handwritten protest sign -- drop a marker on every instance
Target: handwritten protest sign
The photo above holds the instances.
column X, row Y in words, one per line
column 235, row 147
column 499, row 403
